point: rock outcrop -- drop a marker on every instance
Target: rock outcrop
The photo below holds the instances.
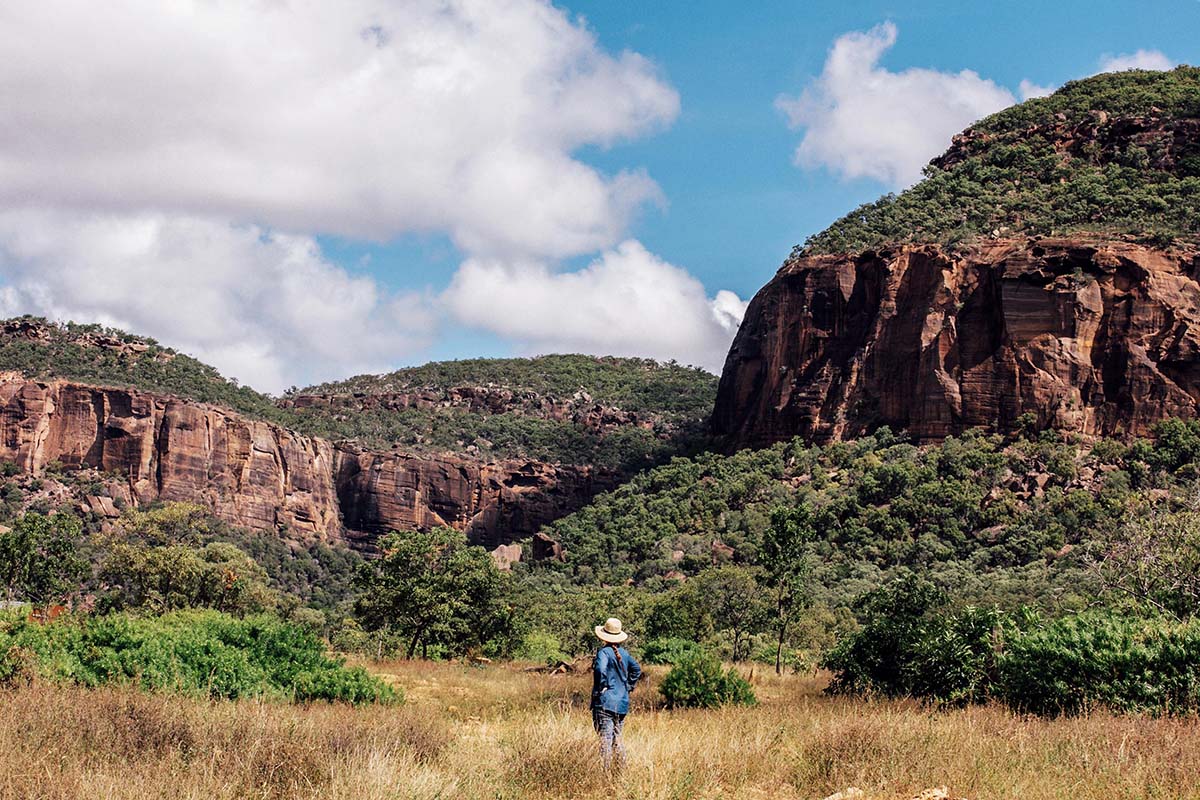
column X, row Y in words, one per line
column 579, row 409
column 1090, row 336
column 264, row 477
column 494, row 503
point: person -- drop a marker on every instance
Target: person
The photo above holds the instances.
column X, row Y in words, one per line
column 614, row 675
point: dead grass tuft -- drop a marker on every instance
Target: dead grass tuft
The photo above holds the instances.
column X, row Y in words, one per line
column 555, row 758
column 501, row 733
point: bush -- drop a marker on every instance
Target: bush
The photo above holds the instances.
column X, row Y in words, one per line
column 541, row 647
column 1103, row 658
column 199, row 653
column 699, row 681
column 668, row 650
column 885, row 655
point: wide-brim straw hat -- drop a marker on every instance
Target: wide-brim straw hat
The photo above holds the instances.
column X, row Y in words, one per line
column 611, row 631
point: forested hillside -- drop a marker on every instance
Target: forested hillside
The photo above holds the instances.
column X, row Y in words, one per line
column 616, row 413
column 1117, row 154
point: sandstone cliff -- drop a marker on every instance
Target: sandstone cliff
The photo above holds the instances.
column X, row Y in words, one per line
column 1091, row 336
column 264, row 477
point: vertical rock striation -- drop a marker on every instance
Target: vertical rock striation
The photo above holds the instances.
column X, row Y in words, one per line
column 1096, row 337
column 264, row 477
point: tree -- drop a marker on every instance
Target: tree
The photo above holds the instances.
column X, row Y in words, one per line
column 731, row 597
column 168, row 577
column 880, row 656
column 38, row 558
column 434, row 589
column 785, row 554
column 1155, row 560
column 171, row 523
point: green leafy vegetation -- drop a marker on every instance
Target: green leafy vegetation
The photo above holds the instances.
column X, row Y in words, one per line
column 765, row 554
column 1061, row 164
column 178, row 555
column 990, row 517
column 631, row 384
column 171, row 577
column 655, row 410
column 698, row 680
column 506, row 435
column 39, row 559
column 1103, row 658
column 664, row 405
column 201, row 653
column 435, row 591
column 912, row 645
column 109, row 357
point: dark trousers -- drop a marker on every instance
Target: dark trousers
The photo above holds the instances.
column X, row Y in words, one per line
column 608, row 725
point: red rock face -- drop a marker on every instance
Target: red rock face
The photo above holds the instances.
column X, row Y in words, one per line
column 264, row 477
column 494, row 503
column 1100, row 338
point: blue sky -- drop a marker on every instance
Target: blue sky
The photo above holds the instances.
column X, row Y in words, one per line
column 304, row 191
column 735, row 203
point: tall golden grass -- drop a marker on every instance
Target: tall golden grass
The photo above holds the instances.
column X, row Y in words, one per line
column 499, row 732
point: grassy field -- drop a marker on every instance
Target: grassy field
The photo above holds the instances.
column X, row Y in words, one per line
column 498, row 732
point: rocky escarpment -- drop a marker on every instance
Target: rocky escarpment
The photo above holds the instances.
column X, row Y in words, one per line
column 578, row 409
column 265, row 477
column 1091, row 336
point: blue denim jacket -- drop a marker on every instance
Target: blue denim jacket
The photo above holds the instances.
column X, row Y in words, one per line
column 612, row 682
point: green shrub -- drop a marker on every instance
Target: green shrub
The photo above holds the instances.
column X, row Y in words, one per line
column 668, row 650
column 911, row 646
column 886, row 655
column 541, row 647
column 699, row 681
column 199, row 653
column 1103, row 658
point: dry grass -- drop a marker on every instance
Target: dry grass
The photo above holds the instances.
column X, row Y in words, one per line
column 501, row 733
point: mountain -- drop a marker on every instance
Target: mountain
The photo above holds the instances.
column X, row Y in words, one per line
column 1044, row 273
column 341, row 461
column 616, row 413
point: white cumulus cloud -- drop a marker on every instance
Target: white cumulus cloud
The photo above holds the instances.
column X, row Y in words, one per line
column 362, row 117
column 626, row 302
column 166, row 167
column 862, row 120
column 1142, row 59
column 257, row 305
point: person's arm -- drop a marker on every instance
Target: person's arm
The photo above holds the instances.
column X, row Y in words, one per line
column 635, row 672
column 597, row 674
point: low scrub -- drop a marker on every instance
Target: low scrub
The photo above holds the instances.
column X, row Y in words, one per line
column 699, row 681
column 1103, row 659
column 198, row 653
column 668, row 650
column 910, row 645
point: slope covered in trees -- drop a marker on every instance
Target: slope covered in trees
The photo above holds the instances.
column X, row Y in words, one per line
column 620, row 413
column 995, row 520
column 617, row 413
column 1117, row 153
